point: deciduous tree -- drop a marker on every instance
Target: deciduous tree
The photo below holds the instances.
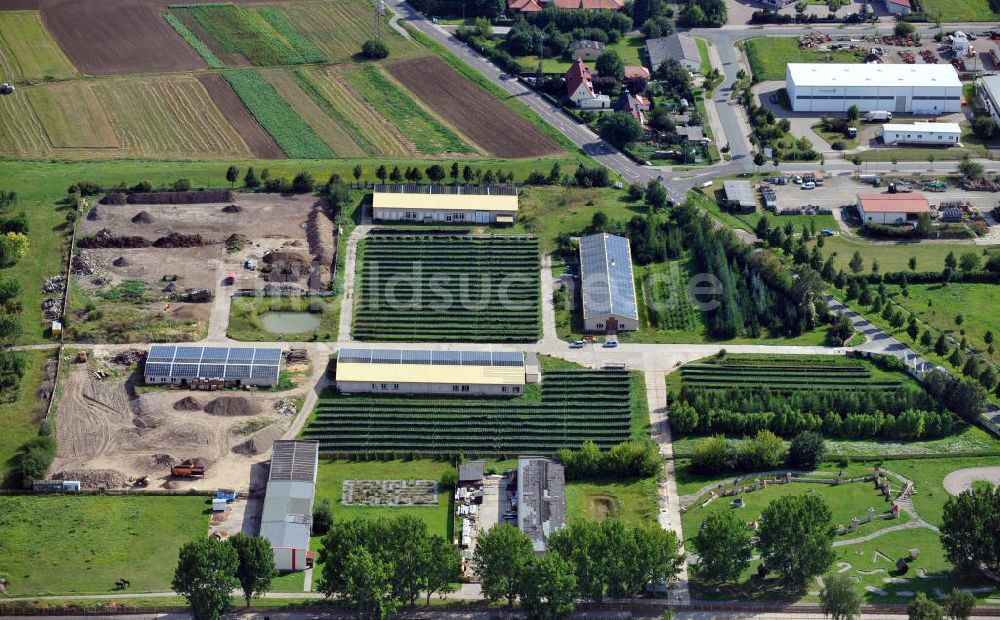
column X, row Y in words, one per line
column 501, row 557
column 255, row 564
column 796, row 537
column 839, row 599
column 723, row 546
column 206, row 576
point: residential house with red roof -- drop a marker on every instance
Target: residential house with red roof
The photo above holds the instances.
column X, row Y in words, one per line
column 580, row 88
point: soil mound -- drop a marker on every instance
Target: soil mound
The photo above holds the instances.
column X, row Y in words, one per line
column 232, row 405
column 261, row 441
column 120, row 262
column 178, row 240
column 189, row 197
column 279, row 256
column 188, row 403
column 94, row 214
column 232, row 209
column 107, row 239
column 142, row 217
column 94, row 478
column 285, row 266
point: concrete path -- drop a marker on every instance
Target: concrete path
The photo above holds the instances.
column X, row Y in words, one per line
column 914, row 524
column 669, row 515
column 347, row 300
column 218, row 321
column 549, row 335
column 961, row 480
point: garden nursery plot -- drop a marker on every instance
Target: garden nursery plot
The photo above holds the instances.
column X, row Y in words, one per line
column 460, row 288
column 838, row 396
column 574, row 406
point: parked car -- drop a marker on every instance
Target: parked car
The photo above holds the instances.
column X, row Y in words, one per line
column 809, row 185
column 577, row 344
column 610, row 344
column 797, row 179
column 826, row 232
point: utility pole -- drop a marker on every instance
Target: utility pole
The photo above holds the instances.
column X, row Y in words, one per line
column 379, row 11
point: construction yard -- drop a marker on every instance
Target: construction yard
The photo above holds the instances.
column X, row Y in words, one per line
column 163, row 264
column 110, row 429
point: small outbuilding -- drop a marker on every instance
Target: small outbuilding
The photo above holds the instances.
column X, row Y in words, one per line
column 472, row 472
column 740, row 194
column 894, row 209
column 898, row 7
column 944, row 134
column 541, row 493
column 586, row 49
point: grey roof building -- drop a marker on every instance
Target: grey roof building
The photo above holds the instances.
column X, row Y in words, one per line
column 741, row 193
column 184, row 365
column 586, row 49
column 680, row 46
column 607, row 284
column 286, row 520
column 473, row 471
column 541, row 499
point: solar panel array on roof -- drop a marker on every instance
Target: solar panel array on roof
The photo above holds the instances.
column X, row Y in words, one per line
column 294, row 460
column 244, row 364
column 432, row 358
column 606, row 273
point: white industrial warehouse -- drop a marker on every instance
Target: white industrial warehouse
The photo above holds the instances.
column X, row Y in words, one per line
column 286, row 520
column 895, row 209
column 607, row 285
column 457, row 204
column 459, row 373
column 943, row 134
column 896, row 88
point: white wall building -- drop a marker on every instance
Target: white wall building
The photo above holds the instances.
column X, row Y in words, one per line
column 897, row 88
column 988, row 91
column 607, row 284
column 489, row 204
column 945, row 134
column 893, row 209
column 286, row 520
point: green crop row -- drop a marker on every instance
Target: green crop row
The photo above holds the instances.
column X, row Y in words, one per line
column 246, row 32
column 195, row 43
column 305, row 48
column 274, row 114
column 426, row 133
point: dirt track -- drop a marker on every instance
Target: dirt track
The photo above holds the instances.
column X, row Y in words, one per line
column 473, row 111
column 113, row 37
column 260, row 142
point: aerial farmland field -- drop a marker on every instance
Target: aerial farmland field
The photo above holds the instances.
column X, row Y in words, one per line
column 352, row 23
column 27, row 51
column 72, row 116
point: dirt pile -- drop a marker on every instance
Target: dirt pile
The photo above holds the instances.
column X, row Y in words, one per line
column 232, row 406
column 188, row 403
column 94, row 478
column 107, row 239
column 192, row 197
column 55, row 284
column 320, row 234
column 120, row 262
column 261, row 441
column 142, row 217
column 128, row 357
column 297, row 356
column 85, row 264
column 51, row 306
column 285, row 266
column 95, row 214
column 232, row 209
column 285, row 407
column 178, row 240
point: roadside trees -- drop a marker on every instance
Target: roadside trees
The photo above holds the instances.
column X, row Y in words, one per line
column 206, row 576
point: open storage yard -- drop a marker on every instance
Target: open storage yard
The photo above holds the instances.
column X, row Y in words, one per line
column 141, row 259
column 460, row 288
column 481, row 117
column 573, row 406
column 81, row 545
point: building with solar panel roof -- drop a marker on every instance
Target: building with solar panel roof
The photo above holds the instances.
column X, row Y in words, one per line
column 456, row 373
column 212, row 367
column 607, row 284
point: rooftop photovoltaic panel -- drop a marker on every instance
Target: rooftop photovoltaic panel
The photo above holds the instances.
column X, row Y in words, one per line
column 231, row 363
column 294, row 460
column 608, row 286
column 433, row 358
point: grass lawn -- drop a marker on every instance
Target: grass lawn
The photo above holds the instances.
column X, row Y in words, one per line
column 938, row 305
column 891, row 255
column 19, row 414
column 971, row 143
column 969, row 439
column 546, row 211
column 834, row 136
column 245, row 318
column 748, row 221
column 61, row 544
column 960, row 10
column 706, row 63
column 630, row 501
column 928, row 476
column 41, row 186
column 628, row 48
column 768, row 56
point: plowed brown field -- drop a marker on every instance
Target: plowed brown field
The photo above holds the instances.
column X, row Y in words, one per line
column 474, row 112
column 260, row 142
column 111, row 37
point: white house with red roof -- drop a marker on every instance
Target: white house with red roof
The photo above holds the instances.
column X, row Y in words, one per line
column 892, row 208
column 580, row 89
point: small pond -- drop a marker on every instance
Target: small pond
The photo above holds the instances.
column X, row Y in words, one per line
column 290, row 322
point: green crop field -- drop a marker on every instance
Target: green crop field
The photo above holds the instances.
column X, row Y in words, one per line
column 278, row 118
column 429, row 135
column 573, row 406
column 61, row 544
column 769, row 56
column 833, row 373
column 448, row 288
column 199, row 46
column 340, row 27
column 27, row 51
column 960, row 10
column 262, row 36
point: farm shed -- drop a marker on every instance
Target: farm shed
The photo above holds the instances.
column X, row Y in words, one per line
column 193, row 366
column 897, row 88
column 608, row 287
column 541, row 494
column 988, row 90
column 471, row 472
column 286, row 520
column 683, row 47
column 586, row 49
column 740, row 193
column 458, row 373
column 489, row 204
column 921, row 133
column 891, row 208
